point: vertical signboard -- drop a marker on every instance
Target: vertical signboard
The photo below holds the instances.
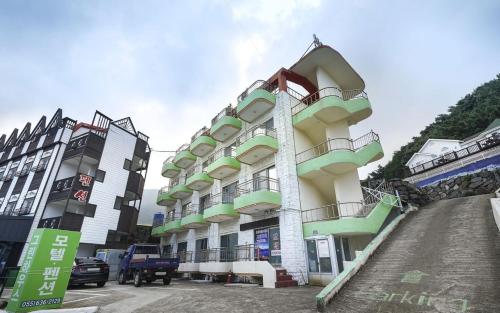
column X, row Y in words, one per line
column 262, row 243
column 45, row 272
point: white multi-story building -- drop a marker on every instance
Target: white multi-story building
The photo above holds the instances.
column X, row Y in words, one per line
column 73, row 176
column 271, row 188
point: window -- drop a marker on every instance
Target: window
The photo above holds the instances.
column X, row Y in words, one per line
column 9, row 209
column 12, row 170
column 227, row 244
column 184, row 209
column 127, row 164
column 229, row 192
column 269, row 124
column 42, row 164
column 265, row 179
column 90, row 210
column 204, row 203
column 118, row 203
column 29, row 199
column 167, row 251
column 2, row 171
column 27, row 165
column 230, row 150
column 99, row 175
column 1, row 201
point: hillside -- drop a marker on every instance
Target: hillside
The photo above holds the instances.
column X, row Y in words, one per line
column 470, row 115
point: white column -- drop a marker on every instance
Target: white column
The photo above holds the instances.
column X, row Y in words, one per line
column 293, row 255
column 347, row 189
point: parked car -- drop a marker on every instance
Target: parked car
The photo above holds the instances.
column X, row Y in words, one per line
column 143, row 262
column 89, row 270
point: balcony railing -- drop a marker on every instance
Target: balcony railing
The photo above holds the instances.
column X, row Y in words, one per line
column 257, row 184
column 222, row 152
column 201, row 132
column 227, row 111
column 337, row 144
column 232, row 254
column 477, row 147
column 197, row 168
column 182, row 148
column 220, row 198
column 259, row 130
column 177, row 180
column 172, row 216
column 259, row 84
column 190, row 209
column 325, row 92
column 336, row 211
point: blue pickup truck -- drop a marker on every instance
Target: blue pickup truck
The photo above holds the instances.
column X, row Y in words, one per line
column 143, row 262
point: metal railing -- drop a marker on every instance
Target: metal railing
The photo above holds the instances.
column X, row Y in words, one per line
column 371, row 197
column 232, row 254
column 182, row 148
column 172, row 216
column 259, row 84
column 227, row 111
column 259, row 130
column 181, row 179
column 222, row 152
column 477, row 147
column 164, row 189
column 197, row 168
column 326, row 92
column 204, row 131
column 257, row 184
column 169, row 160
column 337, row 144
column 190, row 209
column 221, row 198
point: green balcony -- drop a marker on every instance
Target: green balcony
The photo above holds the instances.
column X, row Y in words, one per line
column 199, row 181
column 173, row 226
column 180, row 191
column 257, row 196
column 169, row 169
column 256, row 148
column 331, row 108
column 256, row 104
column 337, row 160
column 194, row 220
column 225, row 127
column 184, row 159
column 158, row 231
column 220, row 212
column 202, row 146
column 223, row 167
column 165, row 199
column 363, row 224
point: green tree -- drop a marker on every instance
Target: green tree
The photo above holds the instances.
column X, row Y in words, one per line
column 470, row 115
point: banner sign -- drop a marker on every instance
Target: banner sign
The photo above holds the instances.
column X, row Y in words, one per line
column 45, row 271
column 262, row 242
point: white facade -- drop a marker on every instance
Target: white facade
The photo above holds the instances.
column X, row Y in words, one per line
column 433, row 148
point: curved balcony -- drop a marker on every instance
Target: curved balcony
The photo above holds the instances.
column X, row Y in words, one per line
column 225, row 125
column 173, row 226
column 223, row 163
column 184, row 158
column 256, row 144
column 158, row 231
column 178, row 189
column 202, row 145
column 164, row 198
column 255, row 101
column 197, row 179
column 169, row 169
column 330, row 105
column 353, row 218
column 220, row 208
column 192, row 218
column 257, row 195
column 338, row 156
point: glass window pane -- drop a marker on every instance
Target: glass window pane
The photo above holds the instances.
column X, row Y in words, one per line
column 312, row 256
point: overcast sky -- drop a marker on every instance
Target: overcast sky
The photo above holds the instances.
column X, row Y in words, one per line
column 172, row 65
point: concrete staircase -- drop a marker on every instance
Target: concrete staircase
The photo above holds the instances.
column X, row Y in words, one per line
column 283, row 279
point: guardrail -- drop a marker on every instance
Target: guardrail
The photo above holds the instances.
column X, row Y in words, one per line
column 227, row 111
column 257, row 184
column 477, row 147
column 222, row 152
column 259, row 84
column 259, row 130
column 325, row 92
column 337, row 144
column 203, row 131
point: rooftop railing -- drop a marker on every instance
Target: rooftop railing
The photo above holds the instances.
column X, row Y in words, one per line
column 477, row 147
column 325, row 92
column 182, row 148
column 259, row 84
column 337, row 144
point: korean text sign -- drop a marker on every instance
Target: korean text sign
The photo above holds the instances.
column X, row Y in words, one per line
column 45, row 271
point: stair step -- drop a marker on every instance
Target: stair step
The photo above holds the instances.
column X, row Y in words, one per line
column 284, row 277
column 286, row 283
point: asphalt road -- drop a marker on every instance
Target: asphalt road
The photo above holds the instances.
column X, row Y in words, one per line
column 443, row 258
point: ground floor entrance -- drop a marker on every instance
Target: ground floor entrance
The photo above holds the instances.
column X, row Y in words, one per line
column 268, row 245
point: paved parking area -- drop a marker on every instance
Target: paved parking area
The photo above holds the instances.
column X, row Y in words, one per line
column 189, row 296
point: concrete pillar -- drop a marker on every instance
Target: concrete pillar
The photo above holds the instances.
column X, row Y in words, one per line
column 293, row 255
column 348, row 189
